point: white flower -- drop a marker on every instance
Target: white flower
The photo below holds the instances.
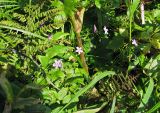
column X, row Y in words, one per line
column 105, row 30
column 94, row 28
column 79, row 50
column 134, row 42
column 49, row 36
column 57, row 64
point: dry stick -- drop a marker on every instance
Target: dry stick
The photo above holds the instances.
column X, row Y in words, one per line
column 77, row 22
column 142, row 12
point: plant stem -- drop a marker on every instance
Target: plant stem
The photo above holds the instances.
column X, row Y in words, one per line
column 77, row 22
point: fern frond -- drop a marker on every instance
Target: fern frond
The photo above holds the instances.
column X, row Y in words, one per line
column 11, row 24
column 51, row 12
column 21, row 17
column 22, row 31
column 48, row 27
column 4, row 3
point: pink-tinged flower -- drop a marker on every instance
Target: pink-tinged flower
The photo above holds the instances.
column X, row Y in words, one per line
column 105, row 30
column 49, row 36
column 94, row 28
column 79, row 50
column 41, row 25
column 57, row 64
column 134, row 42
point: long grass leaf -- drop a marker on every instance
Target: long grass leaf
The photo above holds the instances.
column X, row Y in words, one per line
column 8, row 6
column 22, row 31
column 154, row 108
column 98, row 76
column 4, row 1
column 147, row 94
column 134, row 6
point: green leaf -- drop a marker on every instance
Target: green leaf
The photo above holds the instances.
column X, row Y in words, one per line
column 66, row 99
column 97, row 3
column 44, row 60
column 147, row 94
column 113, row 105
column 6, row 86
column 59, row 35
column 56, row 50
column 133, row 7
column 56, row 75
column 98, row 76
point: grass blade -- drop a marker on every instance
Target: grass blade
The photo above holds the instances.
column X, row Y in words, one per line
column 154, row 108
column 98, row 76
column 147, row 95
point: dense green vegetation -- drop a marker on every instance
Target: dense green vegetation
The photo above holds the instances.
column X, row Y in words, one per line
column 79, row 56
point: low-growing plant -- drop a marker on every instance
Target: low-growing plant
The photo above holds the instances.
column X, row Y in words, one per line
column 74, row 56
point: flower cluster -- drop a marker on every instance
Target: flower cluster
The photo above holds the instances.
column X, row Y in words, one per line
column 58, row 63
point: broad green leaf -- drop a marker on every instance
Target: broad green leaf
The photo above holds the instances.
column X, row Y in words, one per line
column 59, row 35
column 147, row 95
column 56, row 75
column 98, row 76
column 44, row 60
column 6, row 86
column 113, row 105
column 154, row 108
column 56, row 50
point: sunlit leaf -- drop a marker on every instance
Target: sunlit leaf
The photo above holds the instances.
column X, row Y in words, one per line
column 59, row 35
column 43, row 60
